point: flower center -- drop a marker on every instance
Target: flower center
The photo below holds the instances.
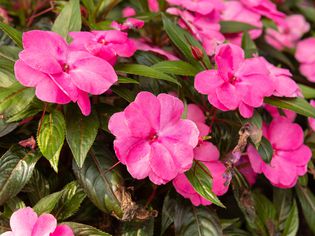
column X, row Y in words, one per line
column 66, row 68
column 102, row 41
column 232, row 78
column 153, row 137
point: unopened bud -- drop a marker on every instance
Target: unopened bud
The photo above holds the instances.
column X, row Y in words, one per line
column 197, row 53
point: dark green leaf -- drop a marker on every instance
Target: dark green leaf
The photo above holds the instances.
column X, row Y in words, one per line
column 70, row 201
column 37, row 187
column 51, row 136
column 7, row 128
column 124, row 80
column 31, row 110
column 4, row 224
column 292, row 222
column 265, row 150
column 146, row 71
column 282, row 200
column 12, row 205
column 168, row 213
column 98, row 181
column 308, row 92
column 298, row 105
column 183, row 41
column 197, row 221
column 80, row 133
column 200, row 178
column 68, row 20
column 16, row 167
column 15, row 99
column 176, row 68
column 138, row 228
column 85, row 230
column 48, row 203
column 229, row 27
column 14, row 34
column 124, row 93
column 266, row 211
column 307, row 201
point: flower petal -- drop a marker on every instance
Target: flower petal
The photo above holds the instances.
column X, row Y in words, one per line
column 62, row 230
column 45, row 225
column 22, row 221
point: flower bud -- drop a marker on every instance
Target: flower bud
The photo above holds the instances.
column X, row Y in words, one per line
column 197, row 53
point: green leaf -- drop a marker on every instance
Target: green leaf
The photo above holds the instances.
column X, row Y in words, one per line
column 70, row 201
column 200, row 178
column 265, row 210
column 308, row 92
column 14, row 34
column 37, row 187
column 85, row 230
column 229, row 27
column 16, row 167
column 98, row 181
column 145, row 228
column 292, row 222
column 146, row 71
column 307, row 201
column 176, row 68
column 183, row 41
column 197, row 221
column 168, row 213
column 268, row 23
column 283, row 201
column 12, row 205
column 31, row 110
column 7, row 128
column 248, row 45
column 48, row 203
column 51, row 136
column 265, row 150
column 68, row 20
column 308, row 12
column 298, row 105
column 15, row 99
column 4, row 224
column 124, row 93
column 80, row 132
column 124, row 80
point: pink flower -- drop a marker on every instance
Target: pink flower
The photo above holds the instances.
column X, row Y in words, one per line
column 265, row 8
column 59, row 74
column 203, row 7
column 208, row 154
column 285, row 86
column 206, row 29
column 25, row 222
column 107, row 45
column 153, row 5
column 142, row 45
column 274, row 112
column 237, row 82
column 288, row 33
column 243, row 165
column 130, row 23
column 128, row 12
column 236, row 11
column 305, row 54
column 290, row 155
column 195, row 114
column 311, row 121
column 151, row 138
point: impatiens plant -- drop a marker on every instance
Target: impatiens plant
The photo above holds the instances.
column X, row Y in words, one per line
column 157, row 117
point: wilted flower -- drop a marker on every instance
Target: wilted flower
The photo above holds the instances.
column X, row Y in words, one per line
column 237, row 82
column 25, row 222
column 209, row 155
column 290, row 155
column 151, row 138
column 59, row 74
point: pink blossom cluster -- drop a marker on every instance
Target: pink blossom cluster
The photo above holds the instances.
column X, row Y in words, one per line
column 25, row 222
column 62, row 73
column 242, row 83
